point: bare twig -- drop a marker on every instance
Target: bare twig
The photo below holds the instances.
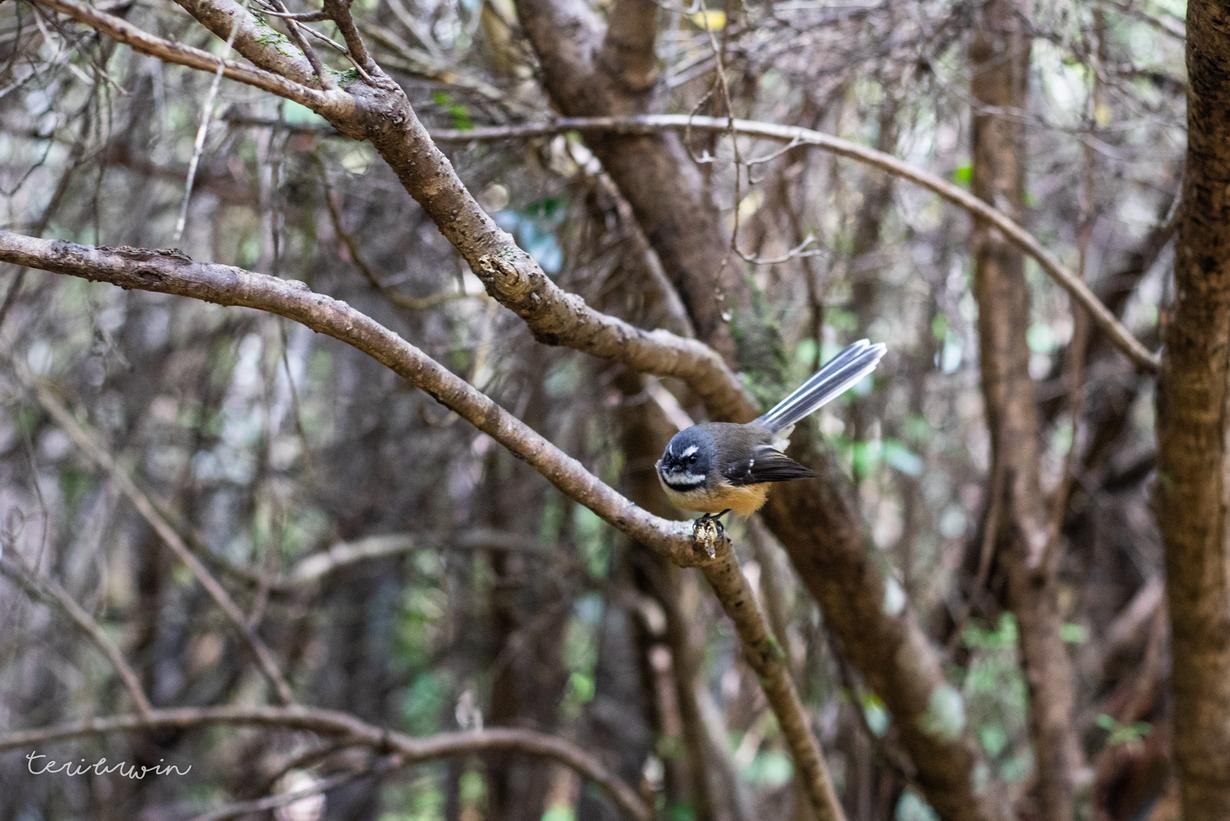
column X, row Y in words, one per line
column 333, row 723
column 1103, row 318
column 294, row 28
column 51, row 592
column 198, row 146
column 1012, row 231
column 172, row 272
column 153, row 516
column 339, row 12
column 337, row 102
column 767, row 657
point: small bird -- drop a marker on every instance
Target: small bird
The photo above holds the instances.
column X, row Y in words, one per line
column 718, row 467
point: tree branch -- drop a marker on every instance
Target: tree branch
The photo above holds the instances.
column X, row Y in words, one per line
column 174, row 273
column 334, row 723
column 338, row 104
column 765, row 655
column 55, row 595
column 1104, row 319
column 254, row 39
column 158, row 522
column 797, row 136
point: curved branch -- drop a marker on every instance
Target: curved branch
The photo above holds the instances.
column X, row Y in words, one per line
column 765, row 656
column 799, row 136
column 335, row 104
column 253, row 39
column 380, row 113
column 171, row 537
column 172, row 272
column 52, row 593
column 332, row 722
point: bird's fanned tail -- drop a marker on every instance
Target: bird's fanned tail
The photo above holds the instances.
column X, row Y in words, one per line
column 836, row 377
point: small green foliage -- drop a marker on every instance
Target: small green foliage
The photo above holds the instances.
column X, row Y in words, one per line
column 74, row 485
column 681, row 811
column 963, row 175
column 473, row 789
column 581, row 689
column 346, row 76
column 866, row 456
column 1119, row 732
column 423, row 700
column 1002, row 636
column 462, row 121
column 771, row 650
column 1071, row 633
column 918, row 428
column 805, row 354
column 939, row 327
column 996, row 695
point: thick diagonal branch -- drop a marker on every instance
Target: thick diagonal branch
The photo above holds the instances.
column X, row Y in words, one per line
column 171, row 272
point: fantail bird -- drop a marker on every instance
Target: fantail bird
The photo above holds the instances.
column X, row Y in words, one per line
column 718, row 467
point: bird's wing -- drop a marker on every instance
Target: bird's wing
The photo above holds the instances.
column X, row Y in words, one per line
column 765, row 465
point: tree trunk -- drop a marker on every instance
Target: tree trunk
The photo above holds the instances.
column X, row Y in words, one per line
column 1192, row 418
column 999, row 58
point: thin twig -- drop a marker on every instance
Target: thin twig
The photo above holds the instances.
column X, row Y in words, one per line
column 766, row 657
column 294, row 28
column 153, row 516
column 334, row 723
column 172, row 272
column 52, row 593
column 1099, row 314
column 198, row 146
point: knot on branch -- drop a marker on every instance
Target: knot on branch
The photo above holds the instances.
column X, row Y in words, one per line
column 501, row 272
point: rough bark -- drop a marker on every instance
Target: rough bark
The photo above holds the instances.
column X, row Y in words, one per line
column 999, row 57
column 1192, row 418
column 587, row 74
column 819, row 525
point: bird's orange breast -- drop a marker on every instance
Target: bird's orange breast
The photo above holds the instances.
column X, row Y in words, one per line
column 743, row 500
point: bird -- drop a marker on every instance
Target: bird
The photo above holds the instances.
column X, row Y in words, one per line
column 715, row 468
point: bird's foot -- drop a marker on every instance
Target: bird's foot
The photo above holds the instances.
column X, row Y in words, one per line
column 708, row 532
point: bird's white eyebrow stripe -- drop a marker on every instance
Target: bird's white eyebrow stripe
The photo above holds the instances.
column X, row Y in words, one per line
column 688, row 451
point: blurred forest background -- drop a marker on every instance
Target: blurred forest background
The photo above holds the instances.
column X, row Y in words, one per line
column 208, row 509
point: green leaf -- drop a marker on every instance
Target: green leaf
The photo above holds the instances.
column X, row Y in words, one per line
column 462, row 121
column 1073, row 633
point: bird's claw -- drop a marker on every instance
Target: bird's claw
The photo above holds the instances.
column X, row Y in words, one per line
column 708, row 532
